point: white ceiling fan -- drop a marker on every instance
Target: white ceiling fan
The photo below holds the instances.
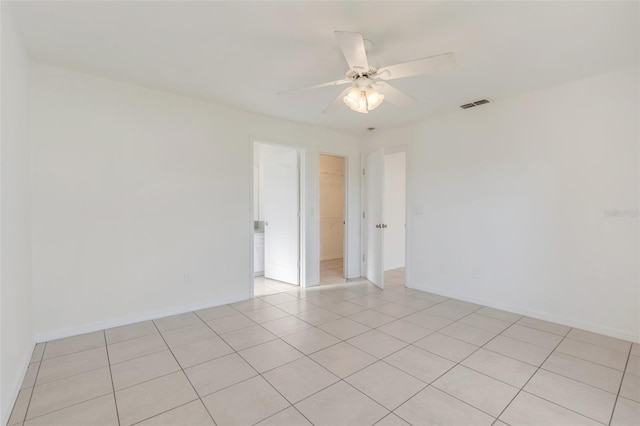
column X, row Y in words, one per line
column 369, row 85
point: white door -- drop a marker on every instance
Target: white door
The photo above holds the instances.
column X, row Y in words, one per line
column 281, row 207
column 374, row 216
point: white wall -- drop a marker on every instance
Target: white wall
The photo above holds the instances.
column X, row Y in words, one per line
column 134, row 188
column 15, row 263
column 508, row 203
column 394, row 209
column 331, row 207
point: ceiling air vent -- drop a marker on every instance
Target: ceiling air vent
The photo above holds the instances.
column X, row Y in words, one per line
column 476, row 103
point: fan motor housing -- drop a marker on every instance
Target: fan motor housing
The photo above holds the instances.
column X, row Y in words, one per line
column 353, row 75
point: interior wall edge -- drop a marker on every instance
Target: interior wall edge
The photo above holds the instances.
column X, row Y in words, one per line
column 545, row 316
column 117, row 322
column 17, row 385
column 16, row 310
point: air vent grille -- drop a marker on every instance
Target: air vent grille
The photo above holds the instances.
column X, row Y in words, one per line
column 475, row 103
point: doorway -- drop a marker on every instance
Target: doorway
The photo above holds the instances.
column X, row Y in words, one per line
column 277, row 219
column 394, row 217
column 332, row 219
column 384, row 217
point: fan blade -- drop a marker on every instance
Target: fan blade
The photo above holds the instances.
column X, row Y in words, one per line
column 337, row 101
column 352, row 47
column 437, row 63
column 394, row 95
column 330, row 83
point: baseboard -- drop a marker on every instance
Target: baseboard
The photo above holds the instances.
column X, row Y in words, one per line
column 15, row 389
column 619, row 334
column 102, row 325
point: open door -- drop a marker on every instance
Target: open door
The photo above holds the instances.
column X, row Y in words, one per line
column 281, row 213
column 373, row 183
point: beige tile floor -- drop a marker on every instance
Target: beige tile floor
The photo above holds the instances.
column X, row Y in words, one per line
column 346, row 354
column 263, row 286
column 331, row 272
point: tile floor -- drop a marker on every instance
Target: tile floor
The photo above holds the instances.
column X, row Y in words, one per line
column 331, row 272
column 335, row 355
column 263, row 286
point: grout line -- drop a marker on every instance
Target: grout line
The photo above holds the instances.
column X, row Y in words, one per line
column 182, row 370
column 449, row 369
column 64, row 408
column 455, row 365
column 514, row 322
column 277, row 412
column 76, row 374
column 155, row 351
column 148, row 380
column 624, row 373
column 74, row 352
column 342, row 295
column 531, row 377
column 588, row 360
column 130, row 339
column 383, row 360
column 166, row 411
column 580, row 381
column 562, row 406
column 256, row 371
column 33, row 388
column 113, row 387
column 537, row 329
column 228, row 386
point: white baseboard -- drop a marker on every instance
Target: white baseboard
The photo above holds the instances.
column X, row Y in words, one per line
column 15, row 389
column 546, row 316
column 102, row 325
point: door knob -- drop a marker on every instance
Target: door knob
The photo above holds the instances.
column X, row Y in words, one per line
column 384, row 225
column 378, row 226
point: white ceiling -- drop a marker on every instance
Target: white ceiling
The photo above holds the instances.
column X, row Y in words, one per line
column 242, row 53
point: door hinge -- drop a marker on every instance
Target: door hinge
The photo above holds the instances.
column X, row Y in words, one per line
column 363, row 172
column 363, row 215
column 363, row 257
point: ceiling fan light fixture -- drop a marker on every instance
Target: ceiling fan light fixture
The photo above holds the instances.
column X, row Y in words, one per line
column 374, row 99
column 363, row 100
column 362, row 104
column 352, row 99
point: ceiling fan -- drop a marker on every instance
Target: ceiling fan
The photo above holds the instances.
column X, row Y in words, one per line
column 369, row 85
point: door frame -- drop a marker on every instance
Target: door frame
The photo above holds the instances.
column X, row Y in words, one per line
column 345, row 236
column 302, row 200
